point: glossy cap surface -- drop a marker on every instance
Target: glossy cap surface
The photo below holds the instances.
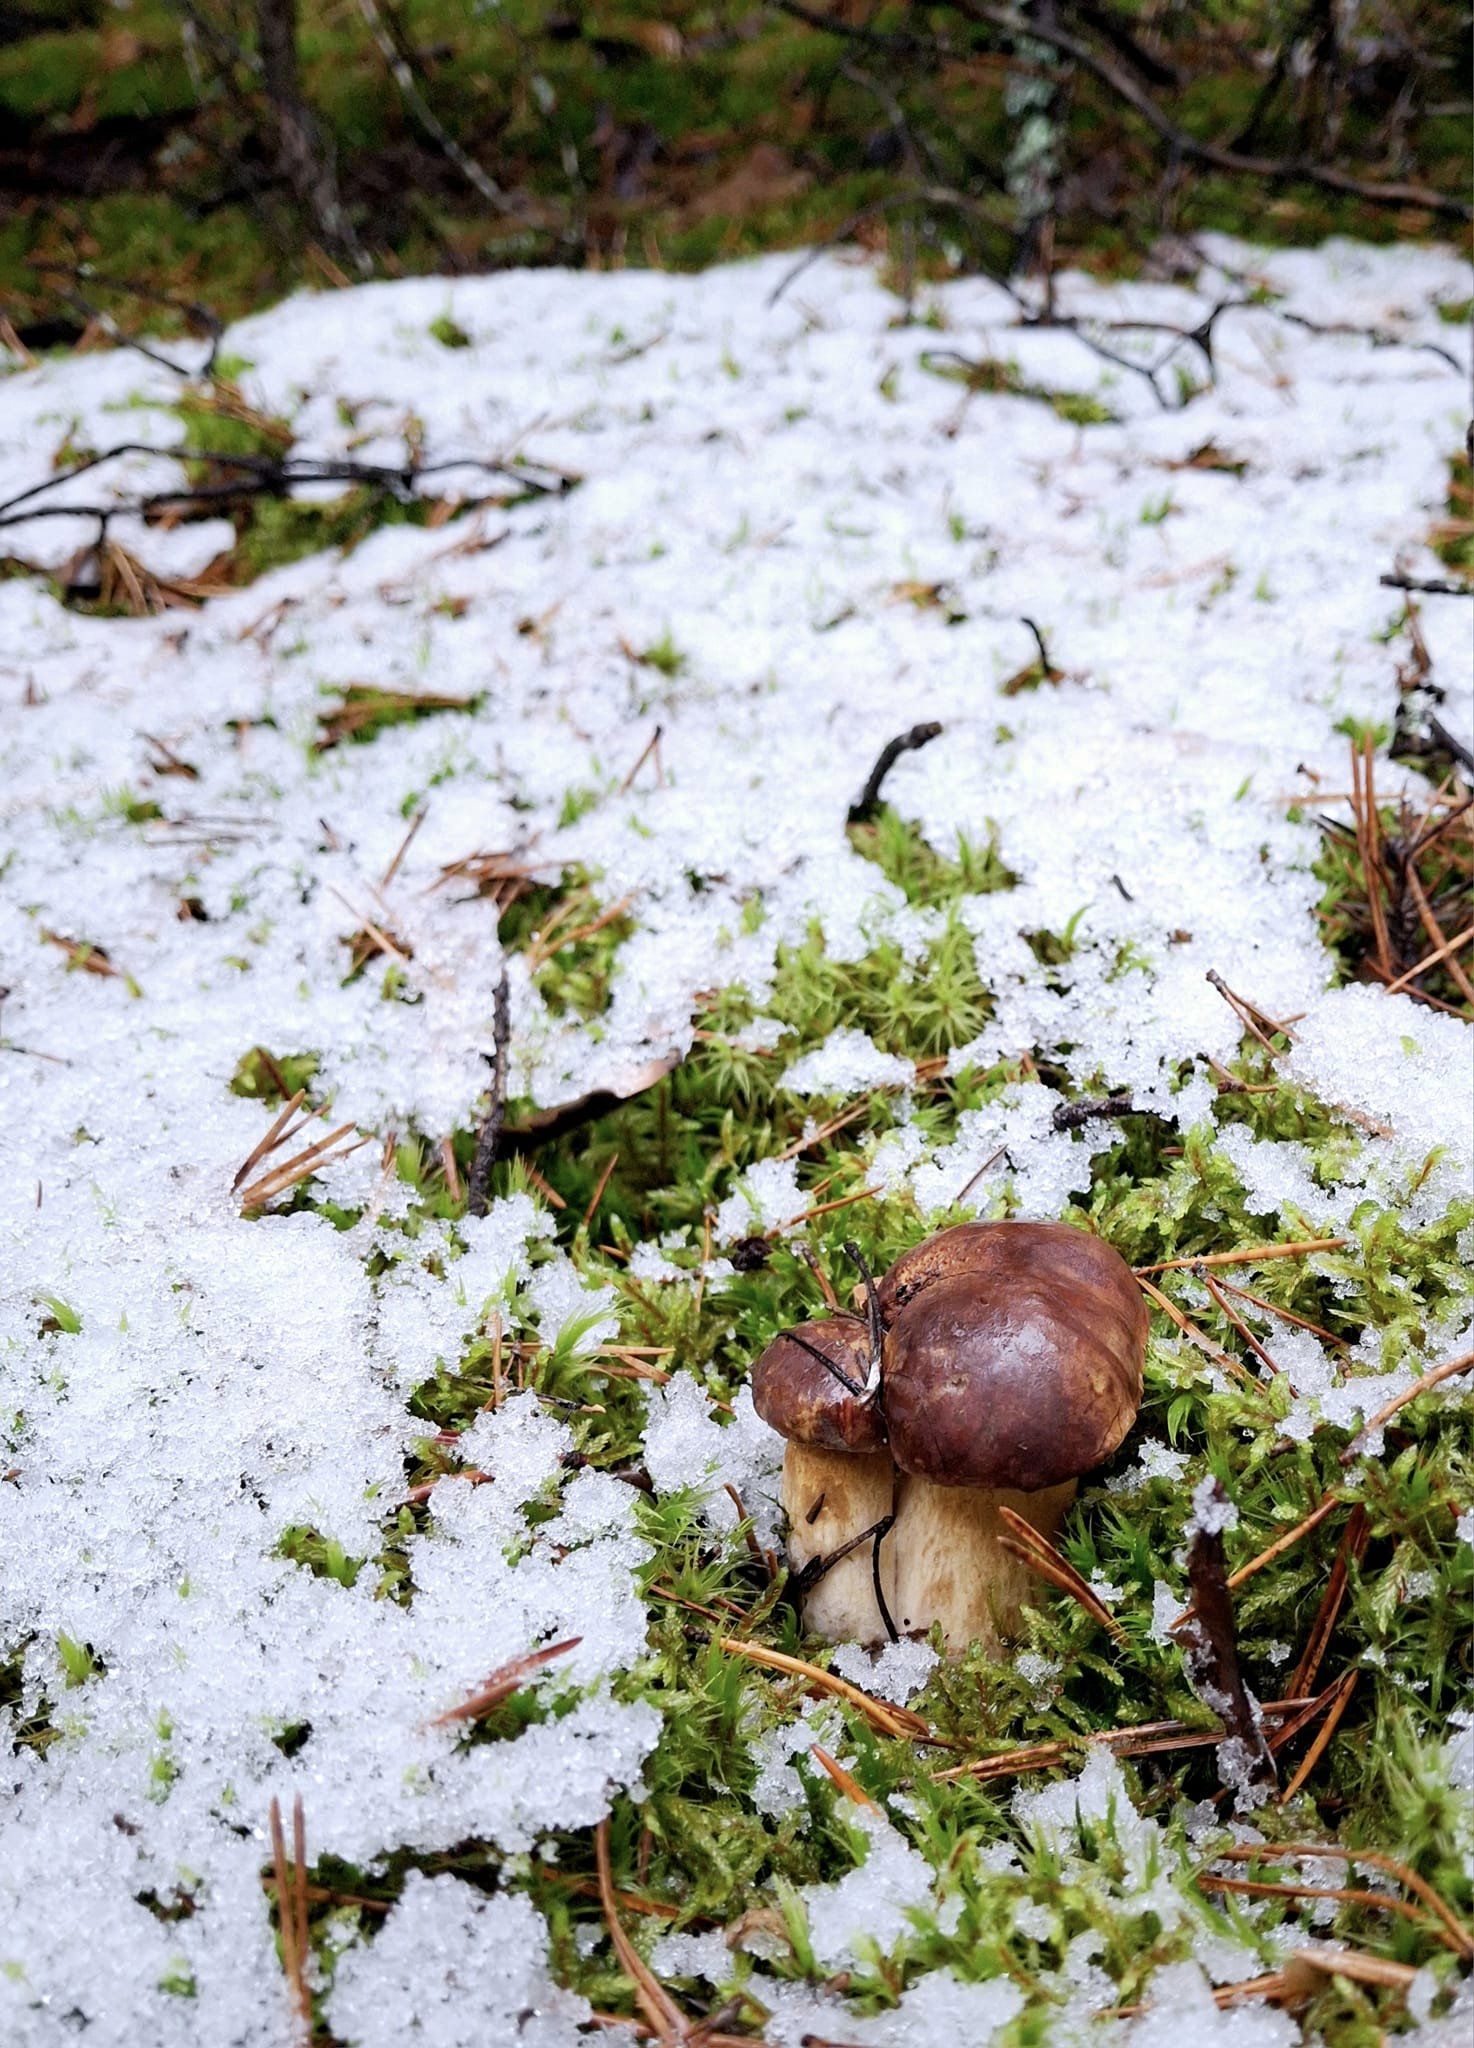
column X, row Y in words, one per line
column 799, row 1397
column 1013, row 1356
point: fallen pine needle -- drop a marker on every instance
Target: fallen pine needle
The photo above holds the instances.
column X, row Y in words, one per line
column 847, row 1783
column 291, row 1911
column 1340, row 1701
column 1026, row 1542
column 1376, row 1859
column 888, row 1719
column 1429, row 1379
column 659, row 2008
column 1249, row 1256
column 503, row 1682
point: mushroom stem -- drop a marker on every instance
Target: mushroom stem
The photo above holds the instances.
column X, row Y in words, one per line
column 943, row 1561
column 831, row 1499
column 950, row 1565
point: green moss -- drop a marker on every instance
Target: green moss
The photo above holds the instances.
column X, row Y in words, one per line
column 262, row 1076
column 925, row 876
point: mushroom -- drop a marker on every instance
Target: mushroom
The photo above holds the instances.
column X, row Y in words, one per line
column 1010, row 1365
column 816, row 1386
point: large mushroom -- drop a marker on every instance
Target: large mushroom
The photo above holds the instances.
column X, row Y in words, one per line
column 1010, row 1364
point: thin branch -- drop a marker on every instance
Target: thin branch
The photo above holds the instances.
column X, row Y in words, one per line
column 868, row 802
column 488, row 1138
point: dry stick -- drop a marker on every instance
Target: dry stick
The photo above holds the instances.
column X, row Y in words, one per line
column 1210, row 1651
column 650, row 1994
column 1340, row 1700
column 1249, row 1014
column 1429, row 1379
column 1251, row 1255
column 1353, row 1545
column 887, row 1719
column 868, row 802
column 488, row 1137
column 1184, row 144
column 1427, row 586
column 272, row 1139
column 1028, row 1543
column 646, row 751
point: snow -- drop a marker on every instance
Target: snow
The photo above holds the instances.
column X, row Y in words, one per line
column 452, row 1968
column 234, row 1379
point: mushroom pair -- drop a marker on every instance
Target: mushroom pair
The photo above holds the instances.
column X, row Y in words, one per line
column 996, row 1364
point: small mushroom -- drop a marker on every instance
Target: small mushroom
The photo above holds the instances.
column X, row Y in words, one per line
column 1010, row 1365
column 839, row 1478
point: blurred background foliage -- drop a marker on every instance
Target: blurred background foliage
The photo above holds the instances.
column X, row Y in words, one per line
column 222, row 151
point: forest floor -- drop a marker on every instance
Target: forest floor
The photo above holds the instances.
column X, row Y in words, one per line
column 590, row 604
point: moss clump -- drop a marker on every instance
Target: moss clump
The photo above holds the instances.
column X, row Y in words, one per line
column 262, row 1076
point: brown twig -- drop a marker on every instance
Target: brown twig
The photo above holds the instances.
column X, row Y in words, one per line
column 867, row 803
column 1210, row 1650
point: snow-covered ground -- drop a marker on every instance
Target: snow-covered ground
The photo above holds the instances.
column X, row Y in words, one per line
column 767, row 492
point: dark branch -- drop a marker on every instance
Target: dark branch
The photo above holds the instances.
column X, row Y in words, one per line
column 906, row 743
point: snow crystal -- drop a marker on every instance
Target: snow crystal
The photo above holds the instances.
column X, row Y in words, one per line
column 847, row 1063
column 896, row 1671
column 778, row 1789
column 1212, row 1511
column 1181, row 2008
column 871, row 1903
column 686, row 1446
column 766, row 1197
column 453, row 1968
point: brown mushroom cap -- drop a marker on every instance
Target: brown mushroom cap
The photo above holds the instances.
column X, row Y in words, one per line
column 1015, row 1360
column 949, row 1252
column 803, row 1401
